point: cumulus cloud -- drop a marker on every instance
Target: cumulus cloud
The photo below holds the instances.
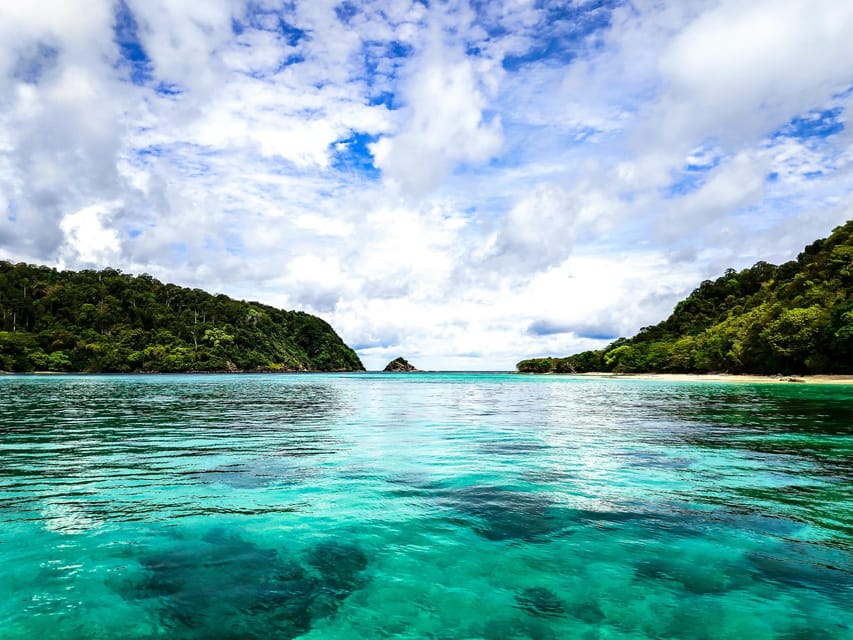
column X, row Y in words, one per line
column 738, row 68
column 444, row 124
column 463, row 183
column 88, row 237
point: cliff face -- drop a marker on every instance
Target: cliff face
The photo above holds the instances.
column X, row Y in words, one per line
column 792, row 318
column 113, row 322
column 400, row 365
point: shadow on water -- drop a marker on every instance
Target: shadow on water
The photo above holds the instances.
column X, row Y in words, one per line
column 224, row 586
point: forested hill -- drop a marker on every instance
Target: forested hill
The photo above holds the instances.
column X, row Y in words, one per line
column 113, row 322
column 793, row 318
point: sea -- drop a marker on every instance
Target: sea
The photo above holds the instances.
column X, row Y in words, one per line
column 429, row 505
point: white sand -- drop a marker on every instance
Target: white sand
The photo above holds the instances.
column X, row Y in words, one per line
column 724, row 377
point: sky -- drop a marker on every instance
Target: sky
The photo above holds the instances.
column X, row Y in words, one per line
column 462, row 183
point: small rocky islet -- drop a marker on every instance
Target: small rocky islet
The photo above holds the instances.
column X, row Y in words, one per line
column 400, row 365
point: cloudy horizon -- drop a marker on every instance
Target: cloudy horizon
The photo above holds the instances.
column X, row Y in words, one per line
column 465, row 184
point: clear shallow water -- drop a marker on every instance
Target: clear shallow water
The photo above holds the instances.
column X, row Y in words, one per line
column 423, row 506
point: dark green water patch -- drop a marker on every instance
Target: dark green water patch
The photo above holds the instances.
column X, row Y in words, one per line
column 225, row 586
column 541, row 601
column 502, row 514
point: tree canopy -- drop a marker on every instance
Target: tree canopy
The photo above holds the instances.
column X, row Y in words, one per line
column 109, row 321
column 792, row 318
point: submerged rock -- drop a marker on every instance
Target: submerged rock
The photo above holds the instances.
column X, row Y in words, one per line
column 541, row 602
column 400, row 365
column 503, row 514
column 224, row 586
column 338, row 563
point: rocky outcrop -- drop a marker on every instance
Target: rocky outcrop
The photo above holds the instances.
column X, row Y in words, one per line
column 399, row 365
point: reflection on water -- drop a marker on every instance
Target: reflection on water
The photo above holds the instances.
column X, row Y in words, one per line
column 437, row 505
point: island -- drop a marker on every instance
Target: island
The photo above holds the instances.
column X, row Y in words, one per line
column 795, row 318
column 109, row 321
column 400, row 365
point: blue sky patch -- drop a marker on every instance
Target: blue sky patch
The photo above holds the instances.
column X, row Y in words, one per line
column 563, row 32
column 293, row 58
column 292, row 35
column 346, row 11
column 143, row 157
column 386, row 98
column 352, row 155
column 704, row 157
column 263, row 19
column 488, row 19
column 819, row 123
column 133, row 56
column 378, row 55
column 397, row 49
column 692, row 176
column 684, row 184
column 168, row 89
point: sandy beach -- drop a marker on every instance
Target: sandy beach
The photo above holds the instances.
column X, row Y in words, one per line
column 725, row 377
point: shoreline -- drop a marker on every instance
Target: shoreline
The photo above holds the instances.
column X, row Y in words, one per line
column 813, row 379
column 837, row 379
column 170, row 373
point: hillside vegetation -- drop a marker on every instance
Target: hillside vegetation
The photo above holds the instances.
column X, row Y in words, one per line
column 113, row 322
column 792, row 318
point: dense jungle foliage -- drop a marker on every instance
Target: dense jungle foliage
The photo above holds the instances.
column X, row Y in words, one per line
column 113, row 322
column 793, row 318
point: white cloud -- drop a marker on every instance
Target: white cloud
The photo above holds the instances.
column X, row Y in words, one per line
column 444, row 124
column 737, row 183
column 88, row 238
column 743, row 66
column 392, row 173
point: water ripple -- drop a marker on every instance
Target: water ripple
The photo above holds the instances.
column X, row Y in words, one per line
column 428, row 506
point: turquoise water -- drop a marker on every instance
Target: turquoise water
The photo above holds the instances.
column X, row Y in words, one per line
column 423, row 506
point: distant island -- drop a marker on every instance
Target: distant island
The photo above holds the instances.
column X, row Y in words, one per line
column 108, row 321
column 400, row 365
column 792, row 318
